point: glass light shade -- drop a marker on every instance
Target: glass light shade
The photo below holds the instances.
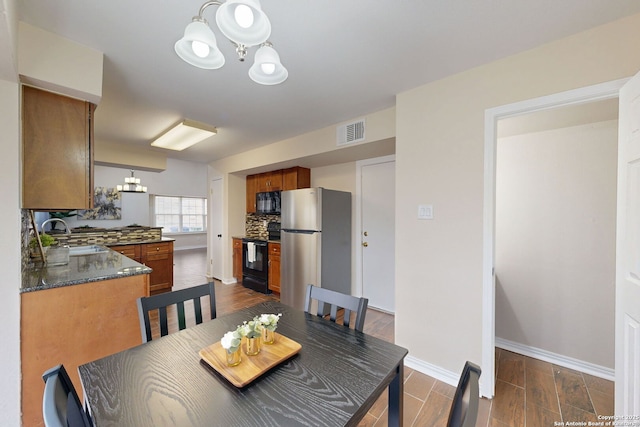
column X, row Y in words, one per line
column 243, row 15
column 200, row 49
column 268, row 57
column 254, row 35
column 198, row 33
column 268, row 68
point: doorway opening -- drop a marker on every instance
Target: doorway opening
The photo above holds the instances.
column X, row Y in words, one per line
column 576, row 97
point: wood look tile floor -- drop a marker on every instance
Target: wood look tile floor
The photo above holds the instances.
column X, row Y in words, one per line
column 529, row 392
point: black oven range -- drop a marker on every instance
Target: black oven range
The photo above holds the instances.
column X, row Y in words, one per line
column 255, row 265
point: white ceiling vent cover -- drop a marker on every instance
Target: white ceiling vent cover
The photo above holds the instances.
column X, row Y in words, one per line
column 350, row 133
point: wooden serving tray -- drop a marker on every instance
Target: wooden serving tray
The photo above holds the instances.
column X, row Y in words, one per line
column 251, row 367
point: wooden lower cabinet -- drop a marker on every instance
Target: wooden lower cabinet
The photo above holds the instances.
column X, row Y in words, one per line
column 274, row 267
column 237, row 259
column 130, row 251
column 158, row 256
column 74, row 325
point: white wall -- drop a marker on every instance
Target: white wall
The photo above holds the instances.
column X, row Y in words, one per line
column 46, row 58
column 439, row 161
column 10, row 254
column 181, row 178
column 10, row 194
column 555, row 241
column 380, row 127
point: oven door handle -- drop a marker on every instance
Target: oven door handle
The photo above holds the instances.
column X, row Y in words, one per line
column 257, row 243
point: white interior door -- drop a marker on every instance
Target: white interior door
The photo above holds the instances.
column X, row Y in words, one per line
column 216, row 237
column 627, row 388
column 378, row 234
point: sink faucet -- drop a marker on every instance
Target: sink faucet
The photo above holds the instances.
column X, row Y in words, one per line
column 67, row 230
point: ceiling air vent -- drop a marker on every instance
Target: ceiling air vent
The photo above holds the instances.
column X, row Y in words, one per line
column 350, row 132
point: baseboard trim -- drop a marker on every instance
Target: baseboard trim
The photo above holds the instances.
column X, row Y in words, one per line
column 434, row 371
column 557, row 359
column 229, row 281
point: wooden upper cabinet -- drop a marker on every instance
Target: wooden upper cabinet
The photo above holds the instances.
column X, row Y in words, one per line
column 269, row 181
column 57, row 152
column 252, row 189
column 281, row 179
column 275, row 180
column 296, row 177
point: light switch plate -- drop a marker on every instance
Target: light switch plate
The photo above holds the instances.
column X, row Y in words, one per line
column 425, row 211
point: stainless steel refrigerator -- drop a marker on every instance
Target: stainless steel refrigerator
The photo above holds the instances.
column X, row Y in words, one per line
column 315, row 245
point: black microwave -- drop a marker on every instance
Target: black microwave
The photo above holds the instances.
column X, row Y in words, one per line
column 268, row 202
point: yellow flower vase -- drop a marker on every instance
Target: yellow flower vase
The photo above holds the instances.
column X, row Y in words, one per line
column 234, row 357
column 252, row 346
column 268, row 337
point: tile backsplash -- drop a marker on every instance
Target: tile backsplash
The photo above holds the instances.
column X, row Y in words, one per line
column 256, row 225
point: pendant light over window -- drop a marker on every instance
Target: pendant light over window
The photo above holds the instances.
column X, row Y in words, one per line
column 245, row 24
column 131, row 185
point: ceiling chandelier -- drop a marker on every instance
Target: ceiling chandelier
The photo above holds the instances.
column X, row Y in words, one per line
column 131, row 185
column 245, row 24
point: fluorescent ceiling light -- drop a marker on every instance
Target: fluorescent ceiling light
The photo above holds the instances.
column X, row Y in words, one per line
column 184, row 135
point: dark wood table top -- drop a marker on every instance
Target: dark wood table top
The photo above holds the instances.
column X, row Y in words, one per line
column 333, row 381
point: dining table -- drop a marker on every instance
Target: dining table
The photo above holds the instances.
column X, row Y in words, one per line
column 334, row 378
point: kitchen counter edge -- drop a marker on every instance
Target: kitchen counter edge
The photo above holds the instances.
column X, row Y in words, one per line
column 38, row 278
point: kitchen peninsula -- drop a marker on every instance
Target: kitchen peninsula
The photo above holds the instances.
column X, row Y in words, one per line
column 84, row 310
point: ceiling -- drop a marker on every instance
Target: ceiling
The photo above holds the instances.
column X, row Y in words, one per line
column 345, row 59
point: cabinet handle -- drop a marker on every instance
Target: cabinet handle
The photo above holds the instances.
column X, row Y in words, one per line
column 157, row 249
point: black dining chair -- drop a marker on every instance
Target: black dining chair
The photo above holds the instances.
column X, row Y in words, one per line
column 464, row 409
column 61, row 406
column 337, row 300
column 160, row 302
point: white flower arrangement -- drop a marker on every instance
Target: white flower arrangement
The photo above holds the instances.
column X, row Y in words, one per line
column 231, row 340
column 270, row 321
column 251, row 329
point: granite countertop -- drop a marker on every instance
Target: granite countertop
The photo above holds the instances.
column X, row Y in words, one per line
column 81, row 269
column 139, row 242
column 256, row 238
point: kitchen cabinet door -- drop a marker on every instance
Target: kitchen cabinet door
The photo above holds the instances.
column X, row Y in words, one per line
column 269, row 181
column 130, row 251
column 252, row 189
column 237, row 259
column 57, row 152
column 274, row 267
column 159, row 256
column 296, row 177
column 274, row 180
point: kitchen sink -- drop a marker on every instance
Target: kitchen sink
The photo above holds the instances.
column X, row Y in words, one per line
column 87, row 250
